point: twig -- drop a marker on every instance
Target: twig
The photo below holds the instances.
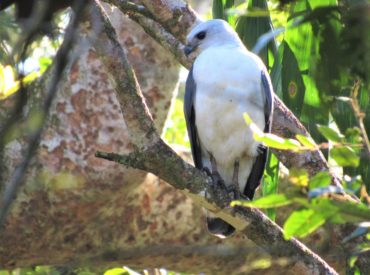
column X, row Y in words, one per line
column 153, row 155
column 132, row 8
column 359, row 115
column 163, row 37
column 60, row 62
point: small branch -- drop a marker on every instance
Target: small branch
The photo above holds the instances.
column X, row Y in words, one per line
column 359, row 116
column 154, row 29
column 166, row 39
column 60, row 62
column 136, row 114
column 131, row 8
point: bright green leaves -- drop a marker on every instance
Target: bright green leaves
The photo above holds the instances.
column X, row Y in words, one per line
column 302, row 222
column 345, row 156
column 321, row 179
column 269, row 201
column 313, row 213
column 274, row 141
column 342, row 154
column 330, row 133
column 121, row 271
column 175, row 128
column 8, row 82
column 306, row 141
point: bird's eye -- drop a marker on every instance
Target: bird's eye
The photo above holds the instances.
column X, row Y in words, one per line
column 201, row 35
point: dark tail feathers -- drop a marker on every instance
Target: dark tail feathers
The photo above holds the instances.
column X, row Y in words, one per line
column 220, row 228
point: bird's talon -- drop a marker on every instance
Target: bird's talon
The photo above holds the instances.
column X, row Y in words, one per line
column 206, row 170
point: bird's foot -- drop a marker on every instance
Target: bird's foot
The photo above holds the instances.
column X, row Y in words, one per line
column 218, row 185
column 261, row 149
column 234, row 192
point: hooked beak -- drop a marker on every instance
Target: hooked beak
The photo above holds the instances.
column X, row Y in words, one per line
column 188, row 49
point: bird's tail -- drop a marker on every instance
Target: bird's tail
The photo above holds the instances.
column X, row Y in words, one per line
column 220, row 228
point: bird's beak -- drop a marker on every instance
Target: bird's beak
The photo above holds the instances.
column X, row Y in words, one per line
column 188, row 49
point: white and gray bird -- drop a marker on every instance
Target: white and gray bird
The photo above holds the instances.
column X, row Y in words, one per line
column 225, row 81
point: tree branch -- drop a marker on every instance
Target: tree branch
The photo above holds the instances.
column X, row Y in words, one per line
column 153, row 155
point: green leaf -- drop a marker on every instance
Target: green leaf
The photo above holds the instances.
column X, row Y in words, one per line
column 273, row 200
column 330, row 133
column 345, row 156
column 292, row 84
column 302, row 222
column 273, row 141
column 250, row 28
column 117, row 271
column 321, row 179
column 218, row 9
column 322, row 3
column 306, row 141
column 44, row 63
column 352, row 212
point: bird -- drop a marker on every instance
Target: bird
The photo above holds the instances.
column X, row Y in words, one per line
column 225, row 81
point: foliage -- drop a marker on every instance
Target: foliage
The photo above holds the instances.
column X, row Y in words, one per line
column 325, row 84
column 175, row 129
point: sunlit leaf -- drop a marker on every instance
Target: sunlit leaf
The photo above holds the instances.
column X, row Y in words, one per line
column 44, row 63
column 302, row 222
column 345, row 156
column 273, row 200
column 271, row 140
column 8, row 85
column 330, row 133
column 263, row 263
column 306, row 141
column 352, row 261
column 117, row 271
column 322, row 3
column 321, row 179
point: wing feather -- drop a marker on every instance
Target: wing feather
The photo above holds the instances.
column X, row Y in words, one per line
column 256, row 174
column 189, row 111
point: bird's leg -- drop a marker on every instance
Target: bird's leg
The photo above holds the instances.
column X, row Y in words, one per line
column 234, row 188
column 216, row 177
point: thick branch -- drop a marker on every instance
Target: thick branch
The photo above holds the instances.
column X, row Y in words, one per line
column 156, row 157
column 136, row 114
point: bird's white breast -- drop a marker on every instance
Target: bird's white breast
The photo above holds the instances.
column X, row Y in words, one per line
column 228, row 84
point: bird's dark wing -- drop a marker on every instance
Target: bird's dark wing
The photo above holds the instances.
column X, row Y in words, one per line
column 190, row 90
column 256, row 174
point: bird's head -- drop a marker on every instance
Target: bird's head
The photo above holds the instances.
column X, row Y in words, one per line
column 211, row 33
